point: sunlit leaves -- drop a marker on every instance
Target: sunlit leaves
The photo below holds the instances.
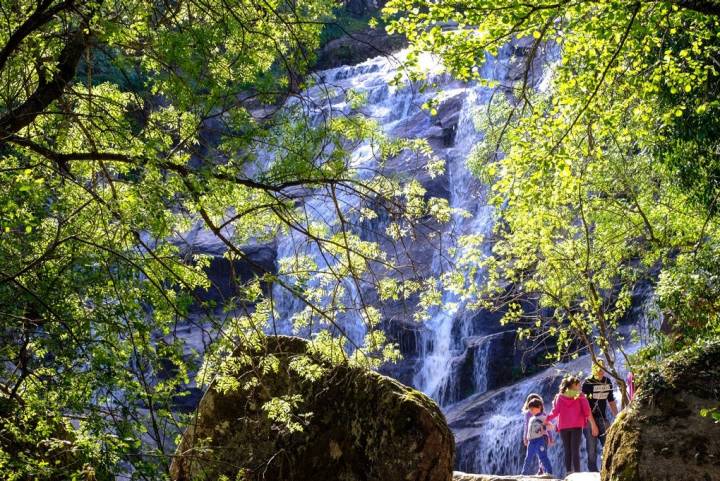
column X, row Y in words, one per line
column 281, row 410
column 584, row 174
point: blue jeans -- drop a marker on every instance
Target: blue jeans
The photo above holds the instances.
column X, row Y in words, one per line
column 536, row 447
column 591, row 443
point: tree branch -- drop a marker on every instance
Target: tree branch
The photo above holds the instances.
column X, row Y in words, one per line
column 44, row 95
column 62, row 159
column 39, row 17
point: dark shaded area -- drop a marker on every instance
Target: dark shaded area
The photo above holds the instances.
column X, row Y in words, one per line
column 662, row 435
column 357, row 425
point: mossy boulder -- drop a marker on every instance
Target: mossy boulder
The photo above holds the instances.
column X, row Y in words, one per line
column 662, row 435
column 357, row 425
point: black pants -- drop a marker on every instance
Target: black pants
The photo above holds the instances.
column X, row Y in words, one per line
column 571, row 446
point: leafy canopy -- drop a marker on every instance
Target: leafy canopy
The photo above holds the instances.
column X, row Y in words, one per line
column 124, row 125
column 601, row 154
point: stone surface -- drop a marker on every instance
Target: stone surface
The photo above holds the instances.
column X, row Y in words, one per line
column 661, row 436
column 357, row 47
column 583, row 477
column 460, row 476
column 359, row 426
column 225, row 276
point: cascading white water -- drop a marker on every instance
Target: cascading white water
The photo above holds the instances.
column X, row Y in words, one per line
column 480, row 366
column 466, row 193
column 449, row 327
column 399, row 113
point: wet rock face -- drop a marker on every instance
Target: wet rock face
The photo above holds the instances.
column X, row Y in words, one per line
column 225, row 276
column 360, row 426
column 358, row 47
column 661, row 436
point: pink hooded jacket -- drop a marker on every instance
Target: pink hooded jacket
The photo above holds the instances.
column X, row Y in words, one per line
column 572, row 412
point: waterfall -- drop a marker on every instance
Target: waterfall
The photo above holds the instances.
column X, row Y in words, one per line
column 460, row 357
column 452, row 340
column 399, row 112
column 441, row 341
column 466, row 193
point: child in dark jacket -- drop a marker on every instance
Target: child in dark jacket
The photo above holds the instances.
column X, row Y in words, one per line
column 573, row 412
column 537, row 437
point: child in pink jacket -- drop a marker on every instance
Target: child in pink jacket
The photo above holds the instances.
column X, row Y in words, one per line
column 573, row 412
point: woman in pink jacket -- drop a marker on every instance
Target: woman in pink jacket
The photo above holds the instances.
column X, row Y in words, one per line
column 573, row 412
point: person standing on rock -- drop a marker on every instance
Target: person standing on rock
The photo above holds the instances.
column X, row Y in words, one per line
column 536, row 435
column 528, row 414
column 573, row 412
column 599, row 391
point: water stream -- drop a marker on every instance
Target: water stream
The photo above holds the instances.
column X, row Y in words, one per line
column 453, row 356
column 452, row 340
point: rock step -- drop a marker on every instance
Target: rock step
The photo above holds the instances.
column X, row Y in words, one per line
column 459, row 476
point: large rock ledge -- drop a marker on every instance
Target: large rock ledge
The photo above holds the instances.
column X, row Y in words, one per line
column 662, row 436
column 360, row 426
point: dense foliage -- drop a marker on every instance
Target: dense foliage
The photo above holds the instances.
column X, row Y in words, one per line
column 122, row 126
column 602, row 156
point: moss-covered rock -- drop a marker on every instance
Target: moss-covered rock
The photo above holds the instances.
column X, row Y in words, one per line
column 357, row 425
column 662, row 435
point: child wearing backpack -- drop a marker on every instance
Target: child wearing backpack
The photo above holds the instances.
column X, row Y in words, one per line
column 528, row 415
column 536, row 436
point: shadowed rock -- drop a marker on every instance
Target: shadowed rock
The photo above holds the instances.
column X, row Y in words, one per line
column 662, row 436
column 358, row 425
column 357, row 47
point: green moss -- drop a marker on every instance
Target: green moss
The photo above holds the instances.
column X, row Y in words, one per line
column 662, row 430
column 357, row 425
